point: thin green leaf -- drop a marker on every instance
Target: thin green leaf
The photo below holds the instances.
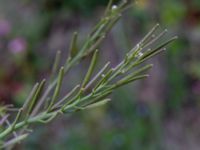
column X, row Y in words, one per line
column 148, row 35
column 97, row 104
column 139, row 71
column 155, row 39
column 35, row 97
column 67, row 96
column 30, row 97
column 57, row 89
column 146, row 54
column 98, row 75
column 56, row 63
column 15, row 140
column 124, row 82
column 108, row 7
column 73, row 46
column 91, row 69
column 16, row 119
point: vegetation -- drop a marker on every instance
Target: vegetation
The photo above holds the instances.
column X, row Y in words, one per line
column 43, row 103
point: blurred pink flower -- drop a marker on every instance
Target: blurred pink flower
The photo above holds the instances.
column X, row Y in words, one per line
column 196, row 87
column 17, row 45
column 5, row 27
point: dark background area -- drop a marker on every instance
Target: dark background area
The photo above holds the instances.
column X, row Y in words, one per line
column 161, row 112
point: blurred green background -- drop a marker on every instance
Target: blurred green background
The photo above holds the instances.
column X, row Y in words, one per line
column 159, row 113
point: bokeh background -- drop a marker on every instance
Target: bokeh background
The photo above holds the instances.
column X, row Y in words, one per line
column 159, row 113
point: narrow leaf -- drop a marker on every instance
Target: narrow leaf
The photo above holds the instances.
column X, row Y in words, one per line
column 98, row 75
column 66, row 96
column 16, row 119
column 97, row 104
column 91, row 69
column 56, row 63
column 124, row 82
column 158, row 48
column 30, row 97
column 57, row 89
column 14, row 140
column 142, row 42
column 139, row 71
column 73, row 46
column 155, row 39
column 35, row 97
column 108, row 7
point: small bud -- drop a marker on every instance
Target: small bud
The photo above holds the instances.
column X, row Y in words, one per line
column 107, row 18
column 114, row 7
column 138, row 46
column 149, row 49
column 103, row 75
column 157, row 24
column 123, row 71
column 140, row 54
